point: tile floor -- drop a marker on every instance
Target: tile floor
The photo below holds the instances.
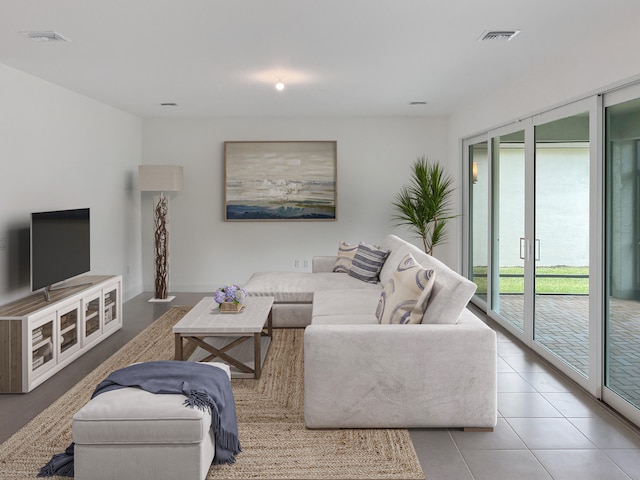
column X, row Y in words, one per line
column 547, row 428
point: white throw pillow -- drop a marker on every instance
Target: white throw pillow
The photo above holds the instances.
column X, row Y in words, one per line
column 451, row 291
column 405, row 297
column 346, row 252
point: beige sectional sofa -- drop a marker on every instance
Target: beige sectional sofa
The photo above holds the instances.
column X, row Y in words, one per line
column 363, row 374
column 294, row 291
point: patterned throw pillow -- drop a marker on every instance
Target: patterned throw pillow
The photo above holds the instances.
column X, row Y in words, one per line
column 346, row 252
column 367, row 263
column 405, row 297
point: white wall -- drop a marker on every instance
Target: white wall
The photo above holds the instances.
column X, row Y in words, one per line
column 61, row 150
column 374, row 158
column 607, row 60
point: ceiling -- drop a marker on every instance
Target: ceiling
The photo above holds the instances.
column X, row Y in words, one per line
column 222, row 58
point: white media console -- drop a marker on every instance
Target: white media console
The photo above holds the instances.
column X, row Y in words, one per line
column 38, row 338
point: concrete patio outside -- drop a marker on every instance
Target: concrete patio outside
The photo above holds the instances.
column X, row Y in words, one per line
column 561, row 325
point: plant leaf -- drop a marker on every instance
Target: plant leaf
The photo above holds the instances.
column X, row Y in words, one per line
column 424, row 204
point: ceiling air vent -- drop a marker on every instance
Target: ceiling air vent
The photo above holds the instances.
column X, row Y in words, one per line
column 42, row 37
column 505, row 35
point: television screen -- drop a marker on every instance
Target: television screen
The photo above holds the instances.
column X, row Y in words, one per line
column 60, row 246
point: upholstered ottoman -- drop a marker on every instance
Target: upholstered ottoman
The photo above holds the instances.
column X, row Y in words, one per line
column 130, row 433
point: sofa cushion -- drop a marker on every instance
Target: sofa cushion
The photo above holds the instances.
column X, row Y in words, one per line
column 405, row 296
column 299, row 287
column 134, row 416
column 367, row 263
column 360, row 301
column 451, row 292
column 323, row 263
column 131, row 415
column 346, row 252
column 338, row 319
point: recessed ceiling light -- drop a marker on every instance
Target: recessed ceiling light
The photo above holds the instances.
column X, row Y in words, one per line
column 504, row 35
column 42, row 37
column 280, row 85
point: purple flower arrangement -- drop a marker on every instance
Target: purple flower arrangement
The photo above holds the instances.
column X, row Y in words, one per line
column 230, row 293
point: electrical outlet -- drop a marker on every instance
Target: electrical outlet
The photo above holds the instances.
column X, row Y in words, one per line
column 305, row 263
column 296, row 263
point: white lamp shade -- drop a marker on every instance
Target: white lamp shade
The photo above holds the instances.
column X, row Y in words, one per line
column 159, row 178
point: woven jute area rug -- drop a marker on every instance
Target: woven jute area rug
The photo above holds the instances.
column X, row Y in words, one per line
column 274, row 440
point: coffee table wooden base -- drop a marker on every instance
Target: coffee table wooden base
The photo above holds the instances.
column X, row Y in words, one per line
column 219, row 346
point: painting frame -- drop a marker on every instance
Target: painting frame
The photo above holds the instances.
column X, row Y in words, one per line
column 280, row 180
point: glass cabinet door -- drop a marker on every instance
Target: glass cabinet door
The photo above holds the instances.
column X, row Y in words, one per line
column 42, row 350
column 111, row 308
column 92, row 325
column 68, row 330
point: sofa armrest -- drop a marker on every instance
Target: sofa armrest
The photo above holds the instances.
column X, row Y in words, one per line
column 400, row 376
column 323, row 263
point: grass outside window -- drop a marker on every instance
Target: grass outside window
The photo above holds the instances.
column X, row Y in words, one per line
column 560, row 280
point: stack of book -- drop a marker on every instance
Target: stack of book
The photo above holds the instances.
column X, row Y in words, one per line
column 37, row 361
column 37, row 335
column 42, row 346
column 108, row 312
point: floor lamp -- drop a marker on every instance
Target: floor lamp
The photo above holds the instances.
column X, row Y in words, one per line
column 160, row 178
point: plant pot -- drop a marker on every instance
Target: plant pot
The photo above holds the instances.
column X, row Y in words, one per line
column 230, row 307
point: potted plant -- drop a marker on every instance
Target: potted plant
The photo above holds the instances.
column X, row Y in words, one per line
column 423, row 205
column 230, row 298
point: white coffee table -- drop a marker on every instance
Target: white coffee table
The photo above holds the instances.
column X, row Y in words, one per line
column 220, row 335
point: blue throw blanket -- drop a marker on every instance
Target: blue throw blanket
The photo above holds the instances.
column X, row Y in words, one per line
column 205, row 387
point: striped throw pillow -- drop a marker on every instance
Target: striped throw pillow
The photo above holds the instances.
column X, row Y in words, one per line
column 405, row 296
column 346, row 252
column 367, row 263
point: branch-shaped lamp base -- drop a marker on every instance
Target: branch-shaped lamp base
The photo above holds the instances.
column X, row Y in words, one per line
column 161, row 251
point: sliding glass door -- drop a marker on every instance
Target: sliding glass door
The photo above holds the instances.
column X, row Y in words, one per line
column 542, row 199
column 561, row 244
column 622, row 319
column 508, row 226
column 554, row 238
column 478, row 161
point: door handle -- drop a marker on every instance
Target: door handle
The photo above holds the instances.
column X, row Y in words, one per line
column 523, row 248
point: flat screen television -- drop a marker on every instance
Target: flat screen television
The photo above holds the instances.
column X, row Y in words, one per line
column 60, row 247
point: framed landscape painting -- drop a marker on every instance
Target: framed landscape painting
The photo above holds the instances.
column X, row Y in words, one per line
column 280, row 180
